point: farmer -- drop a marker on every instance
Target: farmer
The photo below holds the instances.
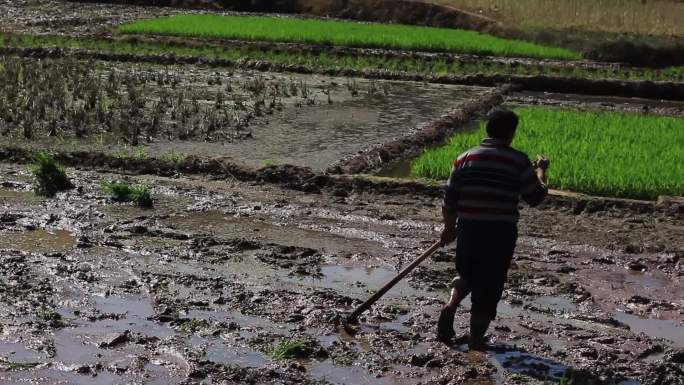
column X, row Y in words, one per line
column 482, row 195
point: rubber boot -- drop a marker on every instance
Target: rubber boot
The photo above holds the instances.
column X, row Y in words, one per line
column 445, row 323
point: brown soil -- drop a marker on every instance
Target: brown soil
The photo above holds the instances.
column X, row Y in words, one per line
column 202, row 286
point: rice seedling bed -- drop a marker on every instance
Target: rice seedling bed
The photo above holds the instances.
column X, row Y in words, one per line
column 330, row 60
column 626, row 155
column 343, row 33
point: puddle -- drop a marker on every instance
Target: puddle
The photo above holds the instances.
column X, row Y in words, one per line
column 133, row 307
column 554, row 304
column 359, row 280
column 319, row 135
column 240, row 227
column 228, row 355
column 644, row 280
column 38, row 241
column 524, row 363
column 668, row 330
column 401, row 169
column 347, row 375
column 14, row 196
column 17, row 352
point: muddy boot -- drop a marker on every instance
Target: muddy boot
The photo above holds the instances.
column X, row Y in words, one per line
column 445, row 324
column 478, row 327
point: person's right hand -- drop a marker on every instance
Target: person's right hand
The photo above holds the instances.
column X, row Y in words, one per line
column 542, row 162
column 448, row 235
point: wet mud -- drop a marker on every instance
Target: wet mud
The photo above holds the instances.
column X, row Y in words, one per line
column 253, row 118
column 202, row 288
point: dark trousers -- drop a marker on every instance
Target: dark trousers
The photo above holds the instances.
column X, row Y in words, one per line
column 484, row 252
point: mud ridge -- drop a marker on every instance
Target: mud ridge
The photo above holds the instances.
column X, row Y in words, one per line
column 636, row 89
column 430, row 133
column 394, row 11
column 387, row 53
column 304, row 179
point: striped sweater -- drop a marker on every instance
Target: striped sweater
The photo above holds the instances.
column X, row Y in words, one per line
column 486, row 183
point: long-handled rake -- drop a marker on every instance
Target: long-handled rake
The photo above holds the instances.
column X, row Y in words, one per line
column 353, row 318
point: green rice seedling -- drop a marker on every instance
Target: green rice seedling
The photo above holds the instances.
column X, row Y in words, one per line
column 173, row 157
column 295, row 348
column 124, row 192
column 613, row 154
column 193, row 325
column 46, row 314
column 13, row 366
column 50, row 177
column 343, row 33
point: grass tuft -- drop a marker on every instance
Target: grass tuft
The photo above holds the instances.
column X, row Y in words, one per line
column 193, row 325
column 345, row 33
column 124, row 192
column 296, row 348
column 50, row 177
column 46, row 314
column 626, row 155
column 12, row 366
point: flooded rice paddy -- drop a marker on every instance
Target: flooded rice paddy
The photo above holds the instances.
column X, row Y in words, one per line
column 202, row 288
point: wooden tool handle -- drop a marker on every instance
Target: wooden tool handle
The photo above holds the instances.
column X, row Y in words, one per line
column 404, row 272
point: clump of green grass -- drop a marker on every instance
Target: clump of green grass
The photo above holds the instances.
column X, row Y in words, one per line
column 296, row 348
column 124, row 192
column 193, row 325
column 46, row 314
column 343, row 33
column 173, row 157
column 12, row 366
column 626, row 155
column 50, row 177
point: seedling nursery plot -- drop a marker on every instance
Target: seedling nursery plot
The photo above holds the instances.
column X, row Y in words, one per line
column 187, row 197
column 343, row 33
column 598, row 153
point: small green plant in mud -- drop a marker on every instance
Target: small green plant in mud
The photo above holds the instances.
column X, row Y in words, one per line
column 47, row 314
column 7, row 365
column 50, row 177
column 297, row 348
column 174, row 157
column 193, row 325
column 124, row 192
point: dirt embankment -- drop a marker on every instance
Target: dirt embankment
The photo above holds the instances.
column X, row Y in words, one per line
column 430, row 133
column 394, row 11
column 305, row 180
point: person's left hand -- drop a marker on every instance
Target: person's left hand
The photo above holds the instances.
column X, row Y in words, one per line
column 448, row 235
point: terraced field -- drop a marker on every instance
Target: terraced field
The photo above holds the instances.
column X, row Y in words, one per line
column 186, row 204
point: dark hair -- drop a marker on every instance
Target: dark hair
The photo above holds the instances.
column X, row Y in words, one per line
column 501, row 123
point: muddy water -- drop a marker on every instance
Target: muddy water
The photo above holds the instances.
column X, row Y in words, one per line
column 317, row 136
column 402, row 168
column 670, row 331
column 38, row 241
column 192, row 265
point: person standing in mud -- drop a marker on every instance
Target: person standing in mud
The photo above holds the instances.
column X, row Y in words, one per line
column 481, row 210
